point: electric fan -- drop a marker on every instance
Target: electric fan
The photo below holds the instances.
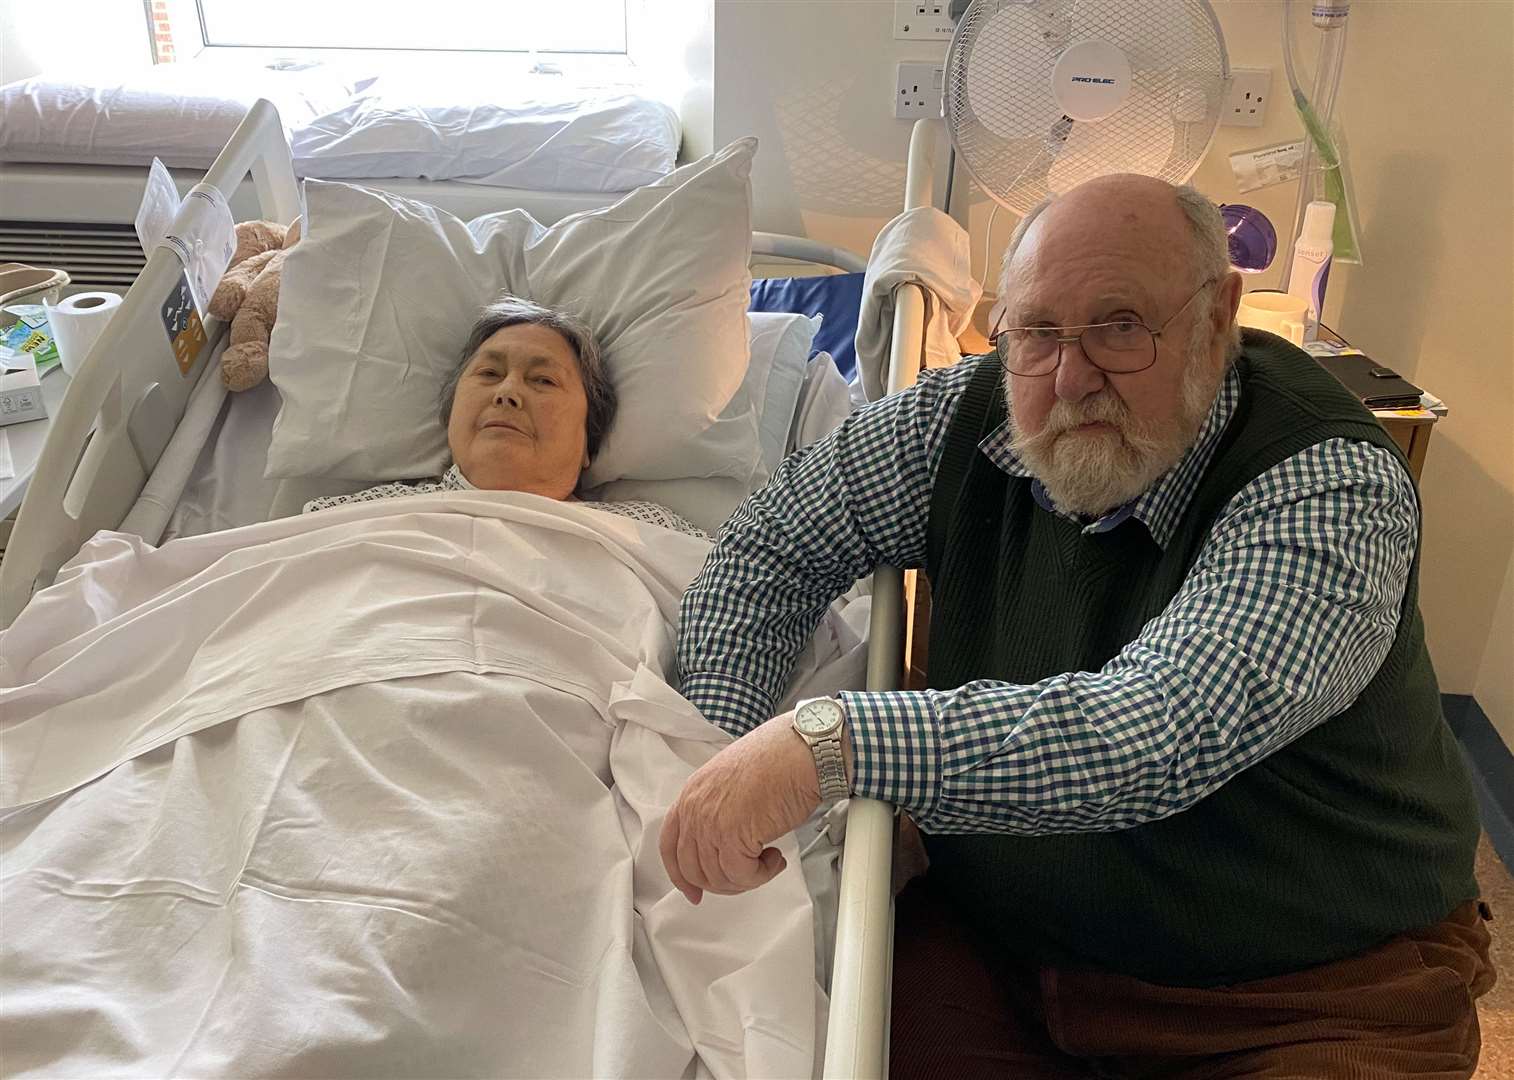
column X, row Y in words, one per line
column 1042, row 95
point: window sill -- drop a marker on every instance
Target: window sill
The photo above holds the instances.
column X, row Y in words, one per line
column 367, row 64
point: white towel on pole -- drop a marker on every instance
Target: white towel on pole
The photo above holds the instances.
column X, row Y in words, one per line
column 925, row 247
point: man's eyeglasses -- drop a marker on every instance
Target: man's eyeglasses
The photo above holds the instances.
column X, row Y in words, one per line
column 1122, row 347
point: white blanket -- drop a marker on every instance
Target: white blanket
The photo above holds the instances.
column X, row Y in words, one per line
column 374, row 791
column 923, row 247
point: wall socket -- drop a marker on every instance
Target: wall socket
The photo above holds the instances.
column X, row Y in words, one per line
column 917, row 90
column 922, row 20
column 1246, row 103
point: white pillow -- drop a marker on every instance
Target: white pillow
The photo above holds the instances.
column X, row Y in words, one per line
column 516, row 136
column 379, row 295
column 780, row 360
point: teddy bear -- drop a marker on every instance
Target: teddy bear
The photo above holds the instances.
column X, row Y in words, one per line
column 248, row 298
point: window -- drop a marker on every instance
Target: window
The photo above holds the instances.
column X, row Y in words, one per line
column 582, row 26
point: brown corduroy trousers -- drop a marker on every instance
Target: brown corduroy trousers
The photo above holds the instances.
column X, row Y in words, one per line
column 1403, row 1008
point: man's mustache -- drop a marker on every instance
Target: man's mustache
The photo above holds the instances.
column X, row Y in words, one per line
column 1104, row 408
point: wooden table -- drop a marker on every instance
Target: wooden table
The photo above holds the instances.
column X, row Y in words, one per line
column 1410, row 428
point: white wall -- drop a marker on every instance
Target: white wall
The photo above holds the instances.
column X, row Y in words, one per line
column 813, row 80
column 17, row 59
column 1428, row 104
column 672, row 42
column 59, row 35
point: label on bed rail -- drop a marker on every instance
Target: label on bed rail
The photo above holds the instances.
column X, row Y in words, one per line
column 186, row 333
column 204, row 238
column 199, row 230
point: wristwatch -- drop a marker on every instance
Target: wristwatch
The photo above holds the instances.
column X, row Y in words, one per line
column 818, row 722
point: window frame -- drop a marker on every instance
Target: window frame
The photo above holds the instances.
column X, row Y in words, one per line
column 188, row 23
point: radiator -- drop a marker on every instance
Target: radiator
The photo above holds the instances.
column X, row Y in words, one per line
column 95, row 254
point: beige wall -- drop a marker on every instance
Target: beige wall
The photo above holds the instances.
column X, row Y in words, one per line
column 1432, row 145
column 1428, row 104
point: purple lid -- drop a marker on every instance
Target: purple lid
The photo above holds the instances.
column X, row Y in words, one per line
column 1253, row 240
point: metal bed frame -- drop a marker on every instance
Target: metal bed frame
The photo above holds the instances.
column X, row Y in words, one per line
column 129, row 401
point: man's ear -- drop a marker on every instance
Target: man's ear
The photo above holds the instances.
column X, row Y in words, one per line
column 1227, row 302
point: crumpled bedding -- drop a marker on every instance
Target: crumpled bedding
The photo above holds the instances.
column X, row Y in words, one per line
column 375, row 792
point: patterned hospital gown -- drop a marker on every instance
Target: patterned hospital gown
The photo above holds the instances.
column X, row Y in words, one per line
column 454, row 480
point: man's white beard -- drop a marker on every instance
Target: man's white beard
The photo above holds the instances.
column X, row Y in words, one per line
column 1091, row 472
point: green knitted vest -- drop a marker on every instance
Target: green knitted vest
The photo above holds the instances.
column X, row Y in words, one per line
column 1361, row 828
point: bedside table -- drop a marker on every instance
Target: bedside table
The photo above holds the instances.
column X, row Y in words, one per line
column 25, row 441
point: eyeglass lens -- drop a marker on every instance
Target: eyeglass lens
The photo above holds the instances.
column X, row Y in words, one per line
column 1117, row 346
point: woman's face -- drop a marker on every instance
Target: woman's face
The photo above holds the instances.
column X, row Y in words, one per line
column 518, row 414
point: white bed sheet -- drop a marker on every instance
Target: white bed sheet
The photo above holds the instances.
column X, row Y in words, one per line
column 360, row 849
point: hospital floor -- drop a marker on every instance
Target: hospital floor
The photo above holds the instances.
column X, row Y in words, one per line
column 1496, row 1009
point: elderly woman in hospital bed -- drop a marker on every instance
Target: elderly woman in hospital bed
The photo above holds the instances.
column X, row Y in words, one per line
column 377, row 790
column 526, row 411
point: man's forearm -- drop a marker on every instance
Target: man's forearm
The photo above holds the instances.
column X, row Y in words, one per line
column 755, row 603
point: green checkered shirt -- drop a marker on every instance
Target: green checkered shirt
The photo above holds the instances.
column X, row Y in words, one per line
column 1226, row 675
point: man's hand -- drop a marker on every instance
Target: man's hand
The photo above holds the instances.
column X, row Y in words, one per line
column 756, row 790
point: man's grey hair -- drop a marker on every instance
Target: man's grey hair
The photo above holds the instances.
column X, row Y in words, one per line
column 513, row 311
column 1211, row 241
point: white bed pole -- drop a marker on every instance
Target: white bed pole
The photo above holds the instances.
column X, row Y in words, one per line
column 127, row 398
column 862, row 971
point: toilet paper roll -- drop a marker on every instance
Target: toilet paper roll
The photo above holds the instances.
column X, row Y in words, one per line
column 76, row 324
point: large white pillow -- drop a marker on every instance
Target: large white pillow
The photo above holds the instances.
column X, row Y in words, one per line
column 780, row 360
column 378, row 298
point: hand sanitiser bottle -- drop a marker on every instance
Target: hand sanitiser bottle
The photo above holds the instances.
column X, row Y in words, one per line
column 1311, row 262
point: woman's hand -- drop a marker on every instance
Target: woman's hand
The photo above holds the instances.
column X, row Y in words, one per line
column 715, row 837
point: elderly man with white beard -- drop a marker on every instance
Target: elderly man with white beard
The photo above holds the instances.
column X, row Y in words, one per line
column 1190, row 804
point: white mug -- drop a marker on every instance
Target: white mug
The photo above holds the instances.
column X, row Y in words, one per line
column 1280, row 313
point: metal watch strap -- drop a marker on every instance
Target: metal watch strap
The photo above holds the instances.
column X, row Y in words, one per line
column 831, row 768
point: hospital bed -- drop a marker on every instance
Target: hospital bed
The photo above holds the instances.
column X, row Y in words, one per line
column 132, row 425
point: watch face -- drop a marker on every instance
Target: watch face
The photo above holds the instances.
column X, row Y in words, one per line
column 818, row 717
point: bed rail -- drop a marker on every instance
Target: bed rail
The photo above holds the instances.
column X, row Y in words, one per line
column 128, row 395
column 862, row 970
column 126, row 404
column 798, row 249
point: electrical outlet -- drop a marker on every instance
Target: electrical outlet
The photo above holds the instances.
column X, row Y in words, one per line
column 1246, row 102
column 922, row 20
column 917, row 91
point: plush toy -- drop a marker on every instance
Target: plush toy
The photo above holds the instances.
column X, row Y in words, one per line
column 248, row 297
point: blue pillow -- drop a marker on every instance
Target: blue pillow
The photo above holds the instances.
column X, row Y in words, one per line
column 835, row 297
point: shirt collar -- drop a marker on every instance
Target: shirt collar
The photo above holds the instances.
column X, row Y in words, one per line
column 454, row 480
column 1161, row 506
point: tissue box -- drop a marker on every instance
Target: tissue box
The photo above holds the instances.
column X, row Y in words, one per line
column 20, row 391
